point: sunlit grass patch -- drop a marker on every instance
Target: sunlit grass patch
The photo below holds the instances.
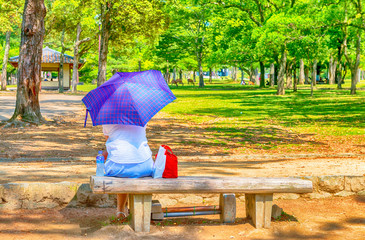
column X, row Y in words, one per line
column 259, row 119
column 86, row 87
column 234, row 115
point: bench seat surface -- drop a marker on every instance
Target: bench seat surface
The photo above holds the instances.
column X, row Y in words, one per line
column 111, row 185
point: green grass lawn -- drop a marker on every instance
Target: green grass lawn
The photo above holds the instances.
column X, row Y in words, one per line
column 232, row 116
column 228, row 107
column 86, row 87
column 248, row 115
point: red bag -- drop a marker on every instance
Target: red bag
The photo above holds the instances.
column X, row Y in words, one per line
column 171, row 163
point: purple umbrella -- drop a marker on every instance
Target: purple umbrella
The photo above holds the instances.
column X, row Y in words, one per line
column 130, row 98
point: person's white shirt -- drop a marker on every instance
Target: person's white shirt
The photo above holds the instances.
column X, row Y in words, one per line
column 126, row 143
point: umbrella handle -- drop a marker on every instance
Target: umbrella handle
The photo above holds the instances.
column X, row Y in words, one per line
column 87, row 111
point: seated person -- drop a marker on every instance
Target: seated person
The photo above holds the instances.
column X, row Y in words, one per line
column 128, row 155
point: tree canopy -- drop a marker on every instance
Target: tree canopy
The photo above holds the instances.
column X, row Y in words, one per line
column 201, row 35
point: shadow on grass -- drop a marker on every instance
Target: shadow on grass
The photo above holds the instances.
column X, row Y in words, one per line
column 292, row 109
column 193, row 139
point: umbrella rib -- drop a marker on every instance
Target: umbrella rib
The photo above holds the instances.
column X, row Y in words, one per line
column 129, row 98
column 101, row 106
column 134, row 105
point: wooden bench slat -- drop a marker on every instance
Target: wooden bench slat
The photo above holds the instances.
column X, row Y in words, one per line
column 263, row 185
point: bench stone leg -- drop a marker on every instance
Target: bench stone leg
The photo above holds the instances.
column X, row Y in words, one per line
column 258, row 208
column 156, row 210
column 140, row 211
column 227, row 205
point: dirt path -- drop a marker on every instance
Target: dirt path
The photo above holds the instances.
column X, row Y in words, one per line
column 79, row 170
column 65, row 136
column 52, row 104
column 65, row 150
column 336, row 218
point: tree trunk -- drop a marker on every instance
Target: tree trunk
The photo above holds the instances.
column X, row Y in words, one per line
column 210, row 75
column 314, row 75
column 295, row 81
column 332, row 71
column 167, row 79
column 257, row 77
column 194, row 76
column 281, row 82
column 201, row 77
column 262, row 73
column 301, row 72
column 339, row 68
column 344, row 73
column 272, row 74
column 75, row 69
column 30, row 56
column 276, row 74
column 306, row 75
column 5, row 61
column 13, row 78
column 354, row 78
column 234, row 73
column 104, row 42
column 168, row 76
column 252, row 75
column 339, row 76
column 236, row 70
column 289, row 76
column 62, row 60
column 174, row 74
column 77, row 55
column 355, row 68
column 359, row 76
column 139, row 65
column 180, row 74
column 242, row 76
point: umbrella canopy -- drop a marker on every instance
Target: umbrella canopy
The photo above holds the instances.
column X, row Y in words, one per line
column 129, row 98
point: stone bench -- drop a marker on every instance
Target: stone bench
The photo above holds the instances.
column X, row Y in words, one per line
column 258, row 194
